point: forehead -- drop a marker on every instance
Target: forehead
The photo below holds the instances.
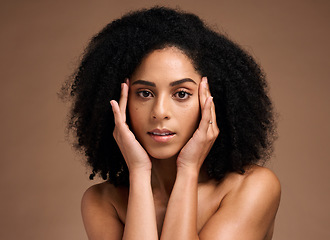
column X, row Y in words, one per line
column 168, row 64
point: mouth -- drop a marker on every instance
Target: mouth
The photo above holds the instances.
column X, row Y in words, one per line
column 161, row 135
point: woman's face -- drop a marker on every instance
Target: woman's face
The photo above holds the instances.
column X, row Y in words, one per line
column 163, row 102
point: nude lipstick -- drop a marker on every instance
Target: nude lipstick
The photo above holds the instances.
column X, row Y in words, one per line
column 161, row 135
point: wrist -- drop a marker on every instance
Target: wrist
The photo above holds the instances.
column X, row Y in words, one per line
column 186, row 172
column 139, row 174
column 190, row 169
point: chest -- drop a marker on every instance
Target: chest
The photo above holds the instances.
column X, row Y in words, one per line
column 209, row 200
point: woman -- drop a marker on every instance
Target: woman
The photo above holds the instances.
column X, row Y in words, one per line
column 190, row 127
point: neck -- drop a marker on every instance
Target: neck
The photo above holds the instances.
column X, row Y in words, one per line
column 163, row 174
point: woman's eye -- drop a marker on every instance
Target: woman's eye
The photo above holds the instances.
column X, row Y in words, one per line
column 144, row 94
column 182, row 95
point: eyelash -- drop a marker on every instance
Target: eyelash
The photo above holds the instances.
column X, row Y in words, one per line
column 187, row 94
column 140, row 93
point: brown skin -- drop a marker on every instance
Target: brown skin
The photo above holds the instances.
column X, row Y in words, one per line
column 240, row 207
column 170, row 196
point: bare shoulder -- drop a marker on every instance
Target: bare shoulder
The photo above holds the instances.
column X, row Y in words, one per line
column 261, row 173
column 103, row 194
column 100, row 206
column 94, row 193
column 255, row 180
column 262, row 182
column 261, row 177
column 249, row 206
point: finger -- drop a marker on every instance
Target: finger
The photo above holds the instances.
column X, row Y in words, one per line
column 123, row 100
column 206, row 115
column 116, row 111
column 207, row 87
column 121, row 131
column 213, row 120
column 202, row 92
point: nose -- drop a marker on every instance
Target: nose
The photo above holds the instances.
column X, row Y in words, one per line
column 161, row 108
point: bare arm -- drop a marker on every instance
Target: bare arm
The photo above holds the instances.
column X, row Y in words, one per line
column 141, row 216
column 181, row 215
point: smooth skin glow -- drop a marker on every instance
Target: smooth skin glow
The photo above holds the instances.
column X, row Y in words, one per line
column 167, row 101
column 163, row 102
column 173, row 127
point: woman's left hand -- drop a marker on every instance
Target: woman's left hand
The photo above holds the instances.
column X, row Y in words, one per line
column 193, row 154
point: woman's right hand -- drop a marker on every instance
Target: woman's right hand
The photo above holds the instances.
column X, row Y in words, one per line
column 134, row 154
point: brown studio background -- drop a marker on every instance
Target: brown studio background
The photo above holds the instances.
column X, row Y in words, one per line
column 42, row 179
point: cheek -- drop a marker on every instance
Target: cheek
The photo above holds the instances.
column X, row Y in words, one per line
column 133, row 113
column 190, row 116
column 137, row 114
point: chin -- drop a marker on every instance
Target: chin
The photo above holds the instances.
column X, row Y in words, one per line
column 162, row 154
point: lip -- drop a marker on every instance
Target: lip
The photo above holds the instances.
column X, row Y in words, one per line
column 161, row 135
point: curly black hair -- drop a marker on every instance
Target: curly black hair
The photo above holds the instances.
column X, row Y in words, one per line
column 243, row 108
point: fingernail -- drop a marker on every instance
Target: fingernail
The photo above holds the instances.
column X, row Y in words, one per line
column 204, row 82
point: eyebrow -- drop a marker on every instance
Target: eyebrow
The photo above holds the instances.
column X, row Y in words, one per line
column 143, row 82
column 172, row 84
column 182, row 81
